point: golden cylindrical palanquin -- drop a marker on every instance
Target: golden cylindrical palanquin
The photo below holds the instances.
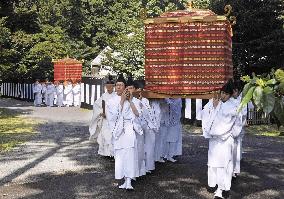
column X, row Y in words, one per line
column 67, row 69
column 187, row 52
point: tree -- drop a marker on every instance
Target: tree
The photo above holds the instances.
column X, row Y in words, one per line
column 85, row 27
column 37, row 35
column 258, row 41
column 127, row 53
column 6, row 53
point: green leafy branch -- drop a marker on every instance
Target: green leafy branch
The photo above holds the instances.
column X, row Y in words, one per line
column 266, row 93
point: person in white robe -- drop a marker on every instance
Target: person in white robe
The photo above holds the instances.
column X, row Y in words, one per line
column 173, row 139
column 123, row 114
column 157, row 114
column 43, row 92
column 160, row 149
column 56, row 83
column 99, row 127
column 218, row 118
column 150, row 125
column 76, row 90
column 68, row 95
column 239, row 129
column 37, row 93
column 59, row 93
column 50, row 89
column 131, row 87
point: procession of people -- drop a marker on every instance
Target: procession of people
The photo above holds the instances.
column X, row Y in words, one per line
column 223, row 125
column 170, row 91
column 135, row 130
column 138, row 132
column 58, row 93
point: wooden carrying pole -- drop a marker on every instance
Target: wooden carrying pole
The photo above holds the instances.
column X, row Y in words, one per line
column 154, row 95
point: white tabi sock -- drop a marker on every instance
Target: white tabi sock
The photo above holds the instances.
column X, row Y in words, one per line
column 128, row 183
column 218, row 193
column 123, row 186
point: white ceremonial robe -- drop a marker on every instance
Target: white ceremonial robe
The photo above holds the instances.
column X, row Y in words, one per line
column 173, row 136
column 44, row 93
column 125, row 142
column 77, row 94
column 157, row 116
column 50, row 94
column 99, row 127
column 150, row 128
column 238, row 134
column 59, row 94
column 55, row 96
column 37, row 94
column 68, row 95
column 160, row 149
column 140, row 138
column 217, row 124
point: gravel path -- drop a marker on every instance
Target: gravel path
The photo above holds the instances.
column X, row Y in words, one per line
column 62, row 136
column 60, row 162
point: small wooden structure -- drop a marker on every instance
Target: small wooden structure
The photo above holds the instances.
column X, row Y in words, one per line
column 67, row 68
column 187, row 53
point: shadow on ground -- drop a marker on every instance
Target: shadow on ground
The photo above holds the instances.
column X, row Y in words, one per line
column 10, row 102
column 262, row 174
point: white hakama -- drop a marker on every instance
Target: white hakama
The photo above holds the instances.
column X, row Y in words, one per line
column 217, row 125
column 43, row 93
column 150, row 127
column 139, row 138
column 37, row 94
column 124, row 137
column 50, row 89
column 59, row 94
column 76, row 90
column 124, row 167
column 173, row 136
column 68, row 95
column 238, row 136
column 100, row 128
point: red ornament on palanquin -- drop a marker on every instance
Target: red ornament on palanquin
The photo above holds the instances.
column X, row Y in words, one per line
column 67, row 69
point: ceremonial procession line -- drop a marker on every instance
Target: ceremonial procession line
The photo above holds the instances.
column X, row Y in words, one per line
column 138, row 132
column 60, row 162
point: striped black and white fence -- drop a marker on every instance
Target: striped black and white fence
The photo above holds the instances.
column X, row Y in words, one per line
column 92, row 89
column 23, row 91
column 192, row 109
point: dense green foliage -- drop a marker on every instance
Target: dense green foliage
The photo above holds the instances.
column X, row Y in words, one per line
column 33, row 32
column 258, row 41
column 266, row 92
column 127, row 53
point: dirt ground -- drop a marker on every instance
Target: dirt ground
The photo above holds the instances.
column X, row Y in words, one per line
column 60, row 162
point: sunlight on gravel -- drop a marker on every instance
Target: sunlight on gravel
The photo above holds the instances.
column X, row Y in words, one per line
column 14, row 129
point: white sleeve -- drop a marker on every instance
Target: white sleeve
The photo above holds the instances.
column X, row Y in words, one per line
column 205, row 118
